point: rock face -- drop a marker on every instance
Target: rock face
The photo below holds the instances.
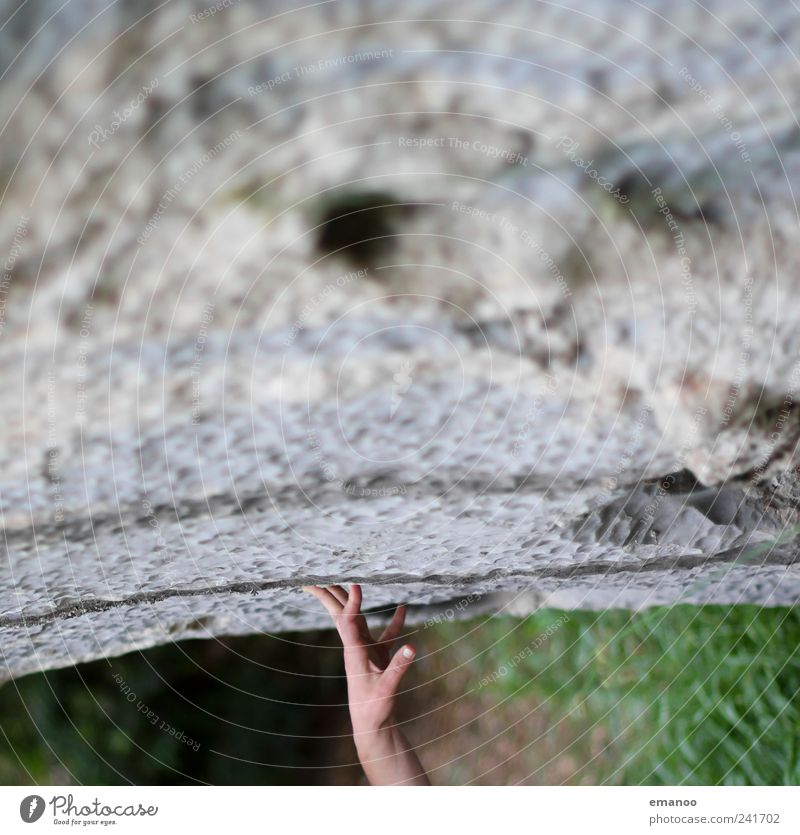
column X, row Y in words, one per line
column 487, row 305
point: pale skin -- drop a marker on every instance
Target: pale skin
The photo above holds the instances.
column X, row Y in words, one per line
column 373, row 678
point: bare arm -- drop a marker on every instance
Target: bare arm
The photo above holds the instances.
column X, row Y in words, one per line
column 373, row 678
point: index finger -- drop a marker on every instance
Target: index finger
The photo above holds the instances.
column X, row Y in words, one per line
column 346, row 624
column 333, row 606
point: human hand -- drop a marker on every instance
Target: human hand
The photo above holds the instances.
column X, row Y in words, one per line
column 373, row 678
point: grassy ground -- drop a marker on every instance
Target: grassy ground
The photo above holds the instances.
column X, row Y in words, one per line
column 668, row 696
column 673, row 695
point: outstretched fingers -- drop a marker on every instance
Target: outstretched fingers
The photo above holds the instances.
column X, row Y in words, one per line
column 391, row 676
column 329, row 601
column 354, row 600
column 389, row 635
column 339, row 593
column 350, row 623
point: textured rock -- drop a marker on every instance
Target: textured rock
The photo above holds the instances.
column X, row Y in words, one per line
column 562, row 369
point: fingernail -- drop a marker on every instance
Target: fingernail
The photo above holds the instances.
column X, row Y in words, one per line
column 408, row 652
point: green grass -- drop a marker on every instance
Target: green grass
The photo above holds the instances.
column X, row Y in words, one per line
column 687, row 695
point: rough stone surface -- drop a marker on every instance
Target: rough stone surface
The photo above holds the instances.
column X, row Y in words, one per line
column 562, row 370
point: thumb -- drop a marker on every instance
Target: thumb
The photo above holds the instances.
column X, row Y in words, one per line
column 401, row 661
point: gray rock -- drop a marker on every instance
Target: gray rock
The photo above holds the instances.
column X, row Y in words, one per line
column 579, row 284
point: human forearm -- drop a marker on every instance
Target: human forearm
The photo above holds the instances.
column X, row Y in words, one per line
column 388, row 759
